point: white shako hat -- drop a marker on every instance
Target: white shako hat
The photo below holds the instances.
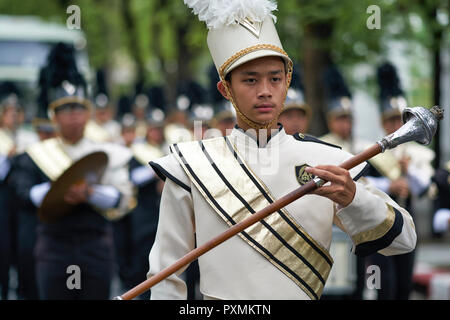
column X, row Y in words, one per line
column 240, row 31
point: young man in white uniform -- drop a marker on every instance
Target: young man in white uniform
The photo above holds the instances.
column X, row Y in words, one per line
column 215, row 183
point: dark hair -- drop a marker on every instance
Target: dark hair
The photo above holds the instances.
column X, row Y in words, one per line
column 228, row 76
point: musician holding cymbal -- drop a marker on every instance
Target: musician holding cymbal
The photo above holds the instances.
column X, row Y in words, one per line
column 75, row 186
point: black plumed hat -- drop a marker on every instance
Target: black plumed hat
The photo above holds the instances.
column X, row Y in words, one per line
column 391, row 96
column 337, row 93
column 10, row 95
column 60, row 82
column 101, row 98
column 295, row 98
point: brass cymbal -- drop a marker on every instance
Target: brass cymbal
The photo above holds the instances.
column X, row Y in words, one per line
column 89, row 169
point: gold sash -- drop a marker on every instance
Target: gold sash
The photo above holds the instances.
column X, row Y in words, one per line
column 95, row 132
column 50, row 157
column 234, row 192
column 387, row 165
column 144, row 152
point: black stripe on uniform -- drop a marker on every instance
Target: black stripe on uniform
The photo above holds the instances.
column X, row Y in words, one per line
column 363, row 172
column 261, row 189
column 162, row 174
column 252, row 211
column 211, row 198
column 367, row 248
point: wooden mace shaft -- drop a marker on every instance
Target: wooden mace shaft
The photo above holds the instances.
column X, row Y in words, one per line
column 273, row 207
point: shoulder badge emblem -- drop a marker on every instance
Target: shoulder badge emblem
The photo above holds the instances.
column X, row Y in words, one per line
column 302, row 176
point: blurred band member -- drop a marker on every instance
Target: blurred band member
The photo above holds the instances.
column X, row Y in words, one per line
column 404, row 173
column 27, row 220
column 441, row 216
column 138, row 230
column 296, row 113
column 80, row 241
column 128, row 130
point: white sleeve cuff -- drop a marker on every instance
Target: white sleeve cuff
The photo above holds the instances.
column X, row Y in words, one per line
column 365, row 212
column 441, row 220
column 38, row 193
column 142, row 175
column 104, row 197
column 381, row 183
column 5, row 166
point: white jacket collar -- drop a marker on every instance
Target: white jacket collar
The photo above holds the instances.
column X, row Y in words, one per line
column 264, row 140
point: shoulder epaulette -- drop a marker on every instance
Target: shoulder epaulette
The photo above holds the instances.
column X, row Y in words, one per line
column 307, row 138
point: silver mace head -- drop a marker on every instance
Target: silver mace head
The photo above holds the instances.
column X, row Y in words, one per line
column 420, row 125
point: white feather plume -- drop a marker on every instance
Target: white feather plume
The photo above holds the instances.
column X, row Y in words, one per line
column 220, row 13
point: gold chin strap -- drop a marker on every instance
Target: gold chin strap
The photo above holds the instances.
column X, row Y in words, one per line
column 247, row 120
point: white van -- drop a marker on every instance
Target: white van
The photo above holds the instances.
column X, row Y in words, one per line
column 25, row 42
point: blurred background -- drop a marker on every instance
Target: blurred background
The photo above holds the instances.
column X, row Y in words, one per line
column 158, row 48
column 148, row 44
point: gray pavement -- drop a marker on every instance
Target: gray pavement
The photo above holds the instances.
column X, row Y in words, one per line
column 436, row 253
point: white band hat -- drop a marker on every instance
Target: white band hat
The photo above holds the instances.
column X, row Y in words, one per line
column 240, row 31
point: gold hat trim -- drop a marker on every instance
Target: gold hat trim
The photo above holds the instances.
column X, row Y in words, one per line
column 71, row 99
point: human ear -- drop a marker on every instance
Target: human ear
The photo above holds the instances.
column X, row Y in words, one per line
column 222, row 90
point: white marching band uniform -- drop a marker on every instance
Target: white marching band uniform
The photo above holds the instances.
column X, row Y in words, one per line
column 234, row 269
column 215, row 183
